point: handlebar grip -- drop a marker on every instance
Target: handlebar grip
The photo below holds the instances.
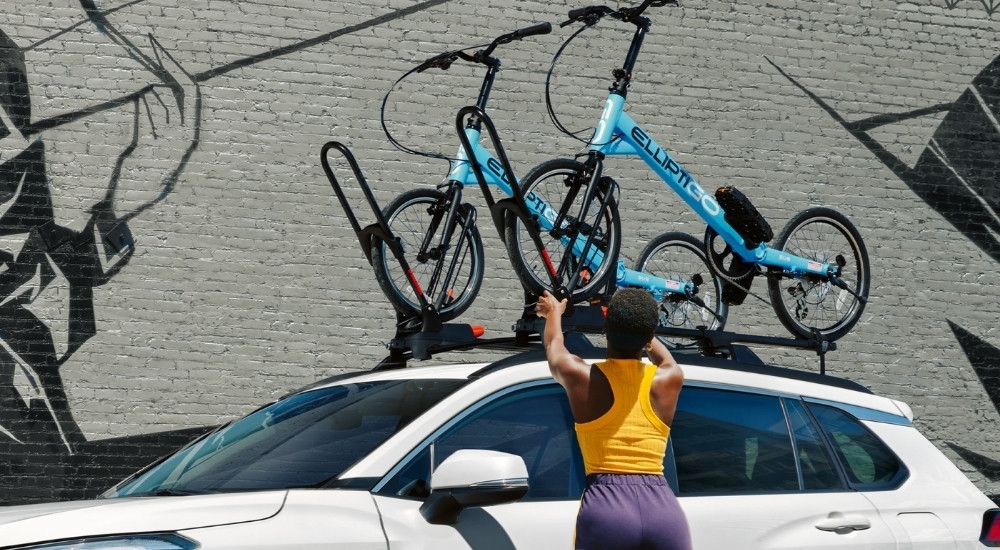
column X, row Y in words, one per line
column 442, row 60
column 540, row 28
column 579, row 13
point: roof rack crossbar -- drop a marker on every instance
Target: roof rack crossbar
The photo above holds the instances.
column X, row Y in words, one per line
column 416, row 341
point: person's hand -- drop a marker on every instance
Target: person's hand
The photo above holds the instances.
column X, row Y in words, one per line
column 547, row 304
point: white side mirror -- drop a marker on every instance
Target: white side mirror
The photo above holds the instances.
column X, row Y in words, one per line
column 474, row 477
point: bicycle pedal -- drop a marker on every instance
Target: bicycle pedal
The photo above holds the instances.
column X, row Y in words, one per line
column 744, row 218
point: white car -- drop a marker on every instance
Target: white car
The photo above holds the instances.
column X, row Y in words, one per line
column 484, row 456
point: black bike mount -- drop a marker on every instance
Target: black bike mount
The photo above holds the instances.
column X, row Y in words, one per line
column 473, row 116
column 417, row 336
column 375, row 232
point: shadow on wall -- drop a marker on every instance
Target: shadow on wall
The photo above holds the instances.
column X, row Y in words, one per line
column 43, row 453
column 958, row 175
column 37, row 472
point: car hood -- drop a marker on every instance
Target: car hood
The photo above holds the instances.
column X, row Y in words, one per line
column 68, row 520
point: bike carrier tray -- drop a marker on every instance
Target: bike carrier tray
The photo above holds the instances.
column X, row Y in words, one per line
column 428, row 319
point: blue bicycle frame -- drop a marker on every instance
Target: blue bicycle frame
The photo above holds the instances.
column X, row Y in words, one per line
column 496, row 174
column 618, row 135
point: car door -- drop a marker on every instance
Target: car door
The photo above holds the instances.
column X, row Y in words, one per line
column 532, row 421
column 752, row 471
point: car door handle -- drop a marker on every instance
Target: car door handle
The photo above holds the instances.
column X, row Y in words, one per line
column 841, row 523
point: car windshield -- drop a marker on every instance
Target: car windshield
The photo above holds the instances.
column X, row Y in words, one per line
column 301, row 441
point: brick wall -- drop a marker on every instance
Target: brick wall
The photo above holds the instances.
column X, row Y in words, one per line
column 188, row 133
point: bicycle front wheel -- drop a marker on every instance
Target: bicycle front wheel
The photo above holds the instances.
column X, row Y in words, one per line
column 813, row 302
column 449, row 268
column 546, row 188
column 681, row 258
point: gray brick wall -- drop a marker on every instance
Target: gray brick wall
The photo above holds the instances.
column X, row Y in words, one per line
column 247, row 281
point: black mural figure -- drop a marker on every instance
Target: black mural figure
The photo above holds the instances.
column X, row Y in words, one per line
column 35, row 417
column 958, row 175
column 36, row 411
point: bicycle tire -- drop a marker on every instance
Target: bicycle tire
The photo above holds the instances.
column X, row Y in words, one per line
column 547, row 182
column 809, row 303
column 678, row 256
column 409, row 216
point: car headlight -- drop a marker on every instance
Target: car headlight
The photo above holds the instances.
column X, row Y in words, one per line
column 151, row 541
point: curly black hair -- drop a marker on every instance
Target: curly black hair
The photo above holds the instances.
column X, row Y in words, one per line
column 631, row 319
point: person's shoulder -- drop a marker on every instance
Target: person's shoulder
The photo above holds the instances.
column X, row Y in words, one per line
column 668, row 375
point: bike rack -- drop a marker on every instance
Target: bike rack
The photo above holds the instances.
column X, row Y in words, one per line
column 582, row 320
column 472, row 115
column 429, row 319
column 421, row 337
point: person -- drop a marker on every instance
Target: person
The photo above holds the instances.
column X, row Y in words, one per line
column 623, row 408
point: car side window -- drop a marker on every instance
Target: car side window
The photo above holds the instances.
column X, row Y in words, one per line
column 867, row 462
column 534, row 423
column 732, row 442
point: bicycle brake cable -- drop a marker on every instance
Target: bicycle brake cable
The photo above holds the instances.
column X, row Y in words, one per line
column 548, row 86
column 440, row 60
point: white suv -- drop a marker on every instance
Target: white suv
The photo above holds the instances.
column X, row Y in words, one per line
column 484, row 456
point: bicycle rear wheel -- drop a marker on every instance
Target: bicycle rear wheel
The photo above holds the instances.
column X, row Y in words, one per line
column 809, row 302
column 545, row 190
column 449, row 275
column 681, row 257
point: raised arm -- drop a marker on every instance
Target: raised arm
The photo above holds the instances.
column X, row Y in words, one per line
column 568, row 369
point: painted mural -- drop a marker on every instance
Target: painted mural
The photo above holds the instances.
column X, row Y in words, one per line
column 956, row 177
column 42, row 252
column 49, row 250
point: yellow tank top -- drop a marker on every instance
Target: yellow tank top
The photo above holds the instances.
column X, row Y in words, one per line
column 629, row 438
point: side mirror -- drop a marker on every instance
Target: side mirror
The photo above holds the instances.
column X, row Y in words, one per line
column 473, row 477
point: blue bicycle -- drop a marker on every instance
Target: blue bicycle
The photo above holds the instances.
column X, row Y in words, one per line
column 817, row 271
column 440, row 240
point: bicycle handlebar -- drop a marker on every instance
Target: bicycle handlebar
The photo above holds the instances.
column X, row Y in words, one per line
column 444, row 60
column 590, row 15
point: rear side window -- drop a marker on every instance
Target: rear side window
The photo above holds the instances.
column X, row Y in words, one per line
column 732, row 442
column 867, row 462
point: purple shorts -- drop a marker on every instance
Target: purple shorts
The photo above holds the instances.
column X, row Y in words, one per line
column 630, row 512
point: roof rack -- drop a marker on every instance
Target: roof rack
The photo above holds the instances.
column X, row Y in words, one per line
column 417, row 340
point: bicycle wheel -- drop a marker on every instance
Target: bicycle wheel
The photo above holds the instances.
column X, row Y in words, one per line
column 449, row 275
column 809, row 302
column 545, row 190
column 681, row 257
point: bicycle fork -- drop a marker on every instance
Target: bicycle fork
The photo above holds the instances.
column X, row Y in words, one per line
column 569, row 230
column 451, row 212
